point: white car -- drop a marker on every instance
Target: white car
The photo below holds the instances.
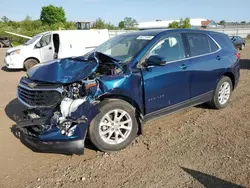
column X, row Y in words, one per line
column 54, row 45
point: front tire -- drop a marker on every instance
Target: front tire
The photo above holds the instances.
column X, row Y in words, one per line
column 30, row 63
column 222, row 93
column 115, row 127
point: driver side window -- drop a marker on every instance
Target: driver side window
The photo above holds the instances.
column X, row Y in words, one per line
column 45, row 40
column 170, row 48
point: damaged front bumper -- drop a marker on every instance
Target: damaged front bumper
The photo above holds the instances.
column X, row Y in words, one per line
column 40, row 136
column 65, row 147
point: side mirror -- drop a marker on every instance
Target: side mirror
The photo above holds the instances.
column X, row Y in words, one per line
column 155, row 60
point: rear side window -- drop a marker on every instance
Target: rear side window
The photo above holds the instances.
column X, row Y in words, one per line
column 201, row 44
column 198, row 44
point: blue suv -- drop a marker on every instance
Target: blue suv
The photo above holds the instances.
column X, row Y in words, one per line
column 110, row 92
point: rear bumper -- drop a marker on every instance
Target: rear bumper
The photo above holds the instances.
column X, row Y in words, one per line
column 65, row 147
column 236, row 72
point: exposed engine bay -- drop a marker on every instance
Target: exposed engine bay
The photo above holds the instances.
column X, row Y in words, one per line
column 61, row 110
column 107, row 65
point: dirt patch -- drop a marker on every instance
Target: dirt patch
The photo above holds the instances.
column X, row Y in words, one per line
column 197, row 147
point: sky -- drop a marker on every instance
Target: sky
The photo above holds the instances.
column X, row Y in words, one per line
column 142, row 10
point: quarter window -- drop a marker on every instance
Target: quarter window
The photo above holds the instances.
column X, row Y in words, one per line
column 213, row 46
column 170, row 48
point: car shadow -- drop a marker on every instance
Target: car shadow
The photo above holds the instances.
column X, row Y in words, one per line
column 209, row 181
column 5, row 69
column 245, row 64
column 14, row 111
column 203, row 106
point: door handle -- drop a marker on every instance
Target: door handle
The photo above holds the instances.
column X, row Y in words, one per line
column 218, row 57
column 184, row 66
column 50, row 48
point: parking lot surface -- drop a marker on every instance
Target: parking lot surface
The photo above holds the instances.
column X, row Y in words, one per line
column 196, row 147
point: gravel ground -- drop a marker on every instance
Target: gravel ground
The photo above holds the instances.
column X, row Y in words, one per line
column 196, row 147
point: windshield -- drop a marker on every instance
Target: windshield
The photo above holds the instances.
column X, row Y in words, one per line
column 33, row 39
column 124, row 47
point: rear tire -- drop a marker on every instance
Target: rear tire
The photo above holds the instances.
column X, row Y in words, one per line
column 30, row 63
column 222, row 93
column 108, row 130
column 242, row 47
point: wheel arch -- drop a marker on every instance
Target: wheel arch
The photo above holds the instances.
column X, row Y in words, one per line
column 129, row 100
column 132, row 102
column 31, row 58
column 231, row 76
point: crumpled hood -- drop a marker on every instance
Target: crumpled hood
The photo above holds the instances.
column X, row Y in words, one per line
column 63, row 71
column 69, row 70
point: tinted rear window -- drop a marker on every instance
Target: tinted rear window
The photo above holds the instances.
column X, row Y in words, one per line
column 198, row 44
column 201, row 44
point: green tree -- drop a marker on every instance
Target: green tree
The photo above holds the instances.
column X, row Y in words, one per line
column 28, row 18
column 222, row 22
column 181, row 24
column 109, row 26
column 186, row 23
column 243, row 22
column 121, row 25
column 130, row 23
column 52, row 15
column 99, row 24
column 70, row 25
column 5, row 19
column 174, row 24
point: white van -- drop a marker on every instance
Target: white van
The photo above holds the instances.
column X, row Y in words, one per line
column 54, row 45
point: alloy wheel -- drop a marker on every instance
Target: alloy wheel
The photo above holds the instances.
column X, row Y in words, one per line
column 115, row 126
column 224, row 93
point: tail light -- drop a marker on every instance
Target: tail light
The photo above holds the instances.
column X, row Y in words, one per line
column 238, row 55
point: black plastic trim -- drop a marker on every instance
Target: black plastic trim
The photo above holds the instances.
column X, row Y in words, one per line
column 67, row 147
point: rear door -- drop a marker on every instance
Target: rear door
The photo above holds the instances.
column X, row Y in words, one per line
column 206, row 61
column 168, row 84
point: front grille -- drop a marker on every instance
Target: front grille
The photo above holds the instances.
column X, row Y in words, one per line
column 39, row 97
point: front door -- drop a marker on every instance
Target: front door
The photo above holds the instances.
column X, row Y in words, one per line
column 46, row 48
column 168, row 84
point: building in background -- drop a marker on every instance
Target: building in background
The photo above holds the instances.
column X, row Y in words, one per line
column 195, row 23
column 208, row 24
